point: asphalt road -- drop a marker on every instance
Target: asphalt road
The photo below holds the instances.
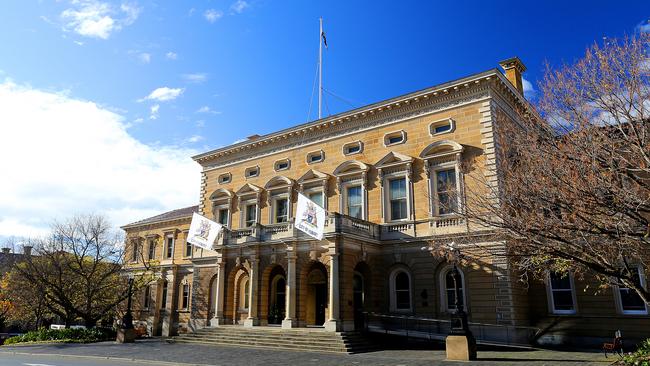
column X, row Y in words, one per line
column 7, row 359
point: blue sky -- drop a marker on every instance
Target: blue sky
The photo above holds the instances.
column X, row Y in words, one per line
column 147, row 84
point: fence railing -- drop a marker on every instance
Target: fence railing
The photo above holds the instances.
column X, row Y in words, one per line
column 438, row 329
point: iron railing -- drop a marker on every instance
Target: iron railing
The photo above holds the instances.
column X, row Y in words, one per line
column 438, row 329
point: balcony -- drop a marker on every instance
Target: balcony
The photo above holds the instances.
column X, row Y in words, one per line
column 342, row 224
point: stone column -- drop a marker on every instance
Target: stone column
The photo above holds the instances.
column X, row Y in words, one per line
column 290, row 311
column 219, row 295
column 168, row 319
column 332, row 324
column 252, row 319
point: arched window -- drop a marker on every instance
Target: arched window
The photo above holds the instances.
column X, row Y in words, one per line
column 400, row 291
column 448, row 300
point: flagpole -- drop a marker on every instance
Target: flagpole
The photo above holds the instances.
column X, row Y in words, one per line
column 320, row 68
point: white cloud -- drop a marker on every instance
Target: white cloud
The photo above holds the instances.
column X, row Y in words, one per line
column 171, row 55
column 529, row 90
column 212, row 15
column 81, row 160
column 164, row 94
column 206, row 109
column 239, row 6
column 144, row 57
column 195, row 78
column 194, row 139
column 154, row 111
column 200, row 123
column 96, row 19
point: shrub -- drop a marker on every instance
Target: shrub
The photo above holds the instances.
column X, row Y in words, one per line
column 639, row 358
column 64, row 335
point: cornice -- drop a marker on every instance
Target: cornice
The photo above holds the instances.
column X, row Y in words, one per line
column 441, row 96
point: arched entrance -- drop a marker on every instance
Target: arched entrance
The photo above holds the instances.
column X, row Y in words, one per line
column 360, row 279
column 277, row 295
column 316, row 294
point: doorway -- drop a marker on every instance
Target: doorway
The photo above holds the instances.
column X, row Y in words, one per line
column 316, row 295
column 277, row 296
column 358, row 299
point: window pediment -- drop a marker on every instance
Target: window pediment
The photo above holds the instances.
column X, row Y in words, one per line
column 248, row 190
column 440, row 149
column 393, row 159
column 221, row 194
column 278, row 182
column 351, row 167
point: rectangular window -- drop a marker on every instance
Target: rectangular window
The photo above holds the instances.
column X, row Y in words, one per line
column 561, row 293
column 250, row 215
column 170, row 247
column 354, row 202
column 281, row 211
column 447, row 201
column 152, row 249
column 186, row 296
column 135, row 251
column 188, row 249
column 163, row 297
column 397, row 197
column 222, row 216
column 631, row 302
column 317, row 198
column 147, row 297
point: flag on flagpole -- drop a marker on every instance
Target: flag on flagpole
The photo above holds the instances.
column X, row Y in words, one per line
column 322, row 34
column 310, row 217
column 203, row 232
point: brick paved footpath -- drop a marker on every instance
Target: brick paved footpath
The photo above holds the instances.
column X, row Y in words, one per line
column 160, row 352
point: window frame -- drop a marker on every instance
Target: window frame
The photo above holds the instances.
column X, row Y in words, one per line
column 282, row 161
column 315, row 190
column 247, row 172
column 188, row 249
column 440, row 122
column 244, row 213
column 619, row 298
column 146, row 303
column 185, row 296
column 434, row 188
column 444, row 297
column 386, row 207
column 310, row 154
column 390, row 201
column 222, row 176
column 390, row 135
column 169, row 249
column 356, row 183
column 163, row 295
column 273, row 209
column 346, row 147
column 393, row 290
column 551, row 295
column 151, row 250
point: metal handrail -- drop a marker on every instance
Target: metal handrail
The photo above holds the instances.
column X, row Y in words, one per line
column 438, row 329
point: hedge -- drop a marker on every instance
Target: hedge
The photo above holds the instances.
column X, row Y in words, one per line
column 64, row 335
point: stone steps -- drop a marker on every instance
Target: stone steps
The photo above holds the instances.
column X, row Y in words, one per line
column 315, row 340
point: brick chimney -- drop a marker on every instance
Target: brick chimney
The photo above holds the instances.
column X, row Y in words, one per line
column 513, row 68
column 27, row 250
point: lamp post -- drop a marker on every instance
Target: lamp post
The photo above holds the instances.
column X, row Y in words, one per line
column 460, row 343
column 126, row 333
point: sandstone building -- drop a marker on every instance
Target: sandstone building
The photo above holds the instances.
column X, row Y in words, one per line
column 392, row 176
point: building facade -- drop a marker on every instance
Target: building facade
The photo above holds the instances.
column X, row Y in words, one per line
column 392, row 176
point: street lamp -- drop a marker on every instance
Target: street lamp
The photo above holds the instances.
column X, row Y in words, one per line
column 126, row 333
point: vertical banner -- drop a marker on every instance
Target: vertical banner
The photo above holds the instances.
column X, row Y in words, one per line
column 310, row 217
column 203, row 232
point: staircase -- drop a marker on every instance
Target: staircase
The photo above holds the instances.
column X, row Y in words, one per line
column 303, row 339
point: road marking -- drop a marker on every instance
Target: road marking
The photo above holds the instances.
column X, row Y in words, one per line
column 37, row 364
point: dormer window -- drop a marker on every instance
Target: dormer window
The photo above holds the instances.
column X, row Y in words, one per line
column 352, row 148
column 252, row 172
column 224, row 178
column 283, row 164
column 315, row 157
column 395, row 138
column 442, row 126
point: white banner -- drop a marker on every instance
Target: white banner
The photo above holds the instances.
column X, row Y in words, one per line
column 310, row 217
column 203, row 232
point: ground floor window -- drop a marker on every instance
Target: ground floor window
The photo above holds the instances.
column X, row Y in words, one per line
column 449, row 289
column 562, row 293
column 629, row 300
column 400, row 286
